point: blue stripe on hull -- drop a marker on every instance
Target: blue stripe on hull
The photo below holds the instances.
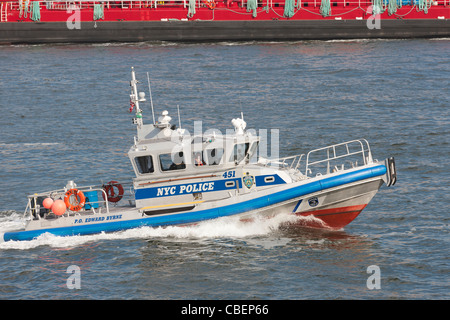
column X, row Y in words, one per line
column 196, row 216
column 189, row 188
column 261, row 180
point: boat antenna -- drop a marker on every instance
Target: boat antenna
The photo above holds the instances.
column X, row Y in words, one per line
column 134, row 94
column 240, row 106
column 179, row 119
column 151, row 101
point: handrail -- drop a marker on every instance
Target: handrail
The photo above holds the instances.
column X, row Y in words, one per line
column 60, row 194
column 294, row 162
column 284, row 162
column 3, row 12
column 364, row 151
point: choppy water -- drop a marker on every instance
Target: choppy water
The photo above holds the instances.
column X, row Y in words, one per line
column 64, row 116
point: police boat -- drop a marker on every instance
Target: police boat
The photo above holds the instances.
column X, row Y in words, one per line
column 183, row 179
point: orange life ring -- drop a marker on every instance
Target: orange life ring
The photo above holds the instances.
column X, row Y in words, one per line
column 79, row 198
column 112, row 195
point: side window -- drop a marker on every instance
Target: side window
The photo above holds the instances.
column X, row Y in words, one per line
column 239, row 152
column 198, row 159
column 214, row 156
column 252, row 153
column 172, row 161
column 144, row 164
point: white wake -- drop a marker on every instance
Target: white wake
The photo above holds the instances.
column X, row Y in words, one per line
column 226, row 227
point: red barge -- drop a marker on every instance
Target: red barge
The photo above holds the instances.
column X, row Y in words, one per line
column 27, row 21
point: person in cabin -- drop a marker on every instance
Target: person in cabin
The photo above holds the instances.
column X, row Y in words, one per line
column 198, row 159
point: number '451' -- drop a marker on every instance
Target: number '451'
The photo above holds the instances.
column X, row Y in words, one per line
column 229, row 174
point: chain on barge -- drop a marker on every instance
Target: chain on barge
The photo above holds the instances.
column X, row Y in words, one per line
column 28, row 21
column 181, row 179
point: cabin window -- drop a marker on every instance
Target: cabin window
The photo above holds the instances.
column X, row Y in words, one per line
column 252, row 153
column 144, row 164
column 173, row 161
column 239, row 152
column 214, row 156
column 198, row 159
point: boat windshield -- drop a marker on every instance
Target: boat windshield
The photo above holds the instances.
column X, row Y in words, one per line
column 214, row 156
column 173, row 161
column 239, row 152
column 145, row 164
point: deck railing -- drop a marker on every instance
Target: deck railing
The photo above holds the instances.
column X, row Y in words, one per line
column 330, row 159
column 325, row 160
column 292, row 162
column 96, row 200
column 35, row 209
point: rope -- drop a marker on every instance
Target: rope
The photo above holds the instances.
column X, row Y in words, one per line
column 289, row 7
column 423, row 5
column 404, row 15
column 392, row 7
column 98, row 12
column 23, row 8
column 378, row 7
column 252, row 5
column 191, row 9
column 378, row 3
column 325, row 8
column 35, row 11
